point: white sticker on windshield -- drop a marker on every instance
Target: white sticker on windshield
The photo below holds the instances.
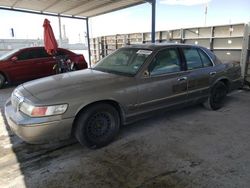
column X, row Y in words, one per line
column 144, row 52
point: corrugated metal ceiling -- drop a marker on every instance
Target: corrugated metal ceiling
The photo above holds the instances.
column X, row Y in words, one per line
column 79, row 8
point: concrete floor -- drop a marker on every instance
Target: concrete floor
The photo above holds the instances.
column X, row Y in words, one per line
column 191, row 147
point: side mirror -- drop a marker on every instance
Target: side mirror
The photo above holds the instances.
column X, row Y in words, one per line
column 14, row 59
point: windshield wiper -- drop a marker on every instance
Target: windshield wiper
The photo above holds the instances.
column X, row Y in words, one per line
column 113, row 72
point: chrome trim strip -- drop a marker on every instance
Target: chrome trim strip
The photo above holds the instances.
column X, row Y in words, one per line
column 157, row 100
column 197, row 90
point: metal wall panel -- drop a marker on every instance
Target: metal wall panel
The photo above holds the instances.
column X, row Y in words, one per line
column 228, row 55
column 222, row 31
column 175, row 34
column 191, row 33
column 201, row 42
column 228, row 43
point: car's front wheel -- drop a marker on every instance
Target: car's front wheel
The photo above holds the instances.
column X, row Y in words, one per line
column 97, row 125
column 217, row 96
column 2, row 81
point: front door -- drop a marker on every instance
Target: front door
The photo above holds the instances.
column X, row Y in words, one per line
column 166, row 84
column 24, row 67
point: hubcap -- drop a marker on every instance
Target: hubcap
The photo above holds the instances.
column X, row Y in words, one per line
column 98, row 125
column 219, row 95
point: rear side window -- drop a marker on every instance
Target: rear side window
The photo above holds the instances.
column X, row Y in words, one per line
column 192, row 58
column 196, row 58
column 60, row 53
column 40, row 53
column 205, row 59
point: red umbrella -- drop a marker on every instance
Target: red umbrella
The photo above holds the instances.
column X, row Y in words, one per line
column 50, row 43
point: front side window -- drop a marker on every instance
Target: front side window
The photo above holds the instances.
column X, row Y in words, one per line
column 25, row 55
column 166, row 61
column 124, row 61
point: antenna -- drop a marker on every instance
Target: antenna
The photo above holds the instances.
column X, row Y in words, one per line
column 205, row 14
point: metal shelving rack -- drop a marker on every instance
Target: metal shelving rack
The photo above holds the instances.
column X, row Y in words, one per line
column 228, row 42
column 135, row 38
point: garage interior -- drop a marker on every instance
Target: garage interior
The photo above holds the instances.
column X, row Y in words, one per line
column 76, row 10
column 191, row 147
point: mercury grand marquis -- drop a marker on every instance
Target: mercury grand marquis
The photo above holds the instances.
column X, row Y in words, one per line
column 133, row 81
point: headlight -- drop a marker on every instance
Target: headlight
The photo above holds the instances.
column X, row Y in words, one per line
column 41, row 111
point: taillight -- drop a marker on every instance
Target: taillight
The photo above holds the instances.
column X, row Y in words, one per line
column 82, row 59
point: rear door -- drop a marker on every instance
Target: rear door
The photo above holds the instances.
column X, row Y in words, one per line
column 44, row 62
column 165, row 85
column 200, row 71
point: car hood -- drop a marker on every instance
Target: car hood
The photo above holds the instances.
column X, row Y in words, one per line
column 60, row 87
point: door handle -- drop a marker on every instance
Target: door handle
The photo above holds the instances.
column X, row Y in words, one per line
column 212, row 73
column 182, row 78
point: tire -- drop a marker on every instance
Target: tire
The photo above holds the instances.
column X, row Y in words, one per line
column 217, row 96
column 2, row 81
column 97, row 125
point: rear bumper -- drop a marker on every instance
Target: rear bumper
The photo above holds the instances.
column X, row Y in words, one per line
column 37, row 130
column 236, row 84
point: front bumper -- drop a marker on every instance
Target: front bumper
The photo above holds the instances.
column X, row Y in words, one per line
column 37, row 130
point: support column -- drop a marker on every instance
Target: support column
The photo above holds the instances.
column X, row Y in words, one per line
column 88, row 41
column 60, row 31
column 153, row 21
column 244, row 52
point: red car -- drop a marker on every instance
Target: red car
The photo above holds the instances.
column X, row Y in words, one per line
column 30, row 63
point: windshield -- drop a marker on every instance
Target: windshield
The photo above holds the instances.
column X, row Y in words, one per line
column 124, row 61
column 8, row 54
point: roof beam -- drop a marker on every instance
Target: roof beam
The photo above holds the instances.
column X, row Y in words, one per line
column 42, row 13
column 14, row 4
column 68, row 8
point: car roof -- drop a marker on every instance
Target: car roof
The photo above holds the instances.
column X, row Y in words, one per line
column 37, row 47
column 156, row 46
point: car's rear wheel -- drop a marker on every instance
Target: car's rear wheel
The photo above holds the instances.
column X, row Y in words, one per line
column 217, row 96
column 97, row 125
column 2, row 80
